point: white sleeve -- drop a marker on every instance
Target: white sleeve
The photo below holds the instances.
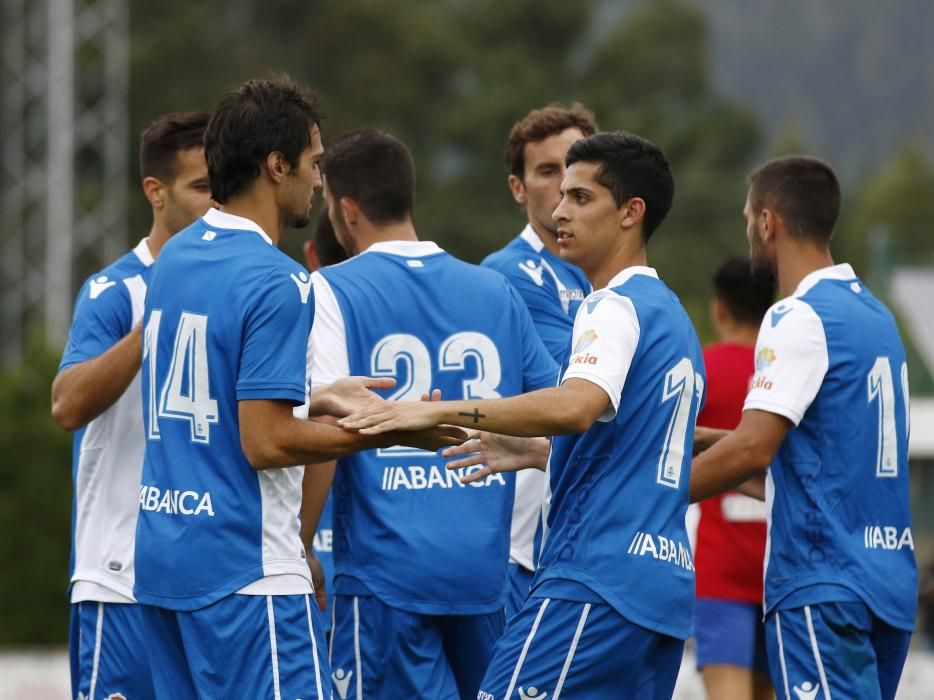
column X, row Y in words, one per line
column 327, row 345
column 606, row 333
column 791, row 361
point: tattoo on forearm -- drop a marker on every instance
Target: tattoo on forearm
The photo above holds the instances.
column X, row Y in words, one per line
column 476, row 415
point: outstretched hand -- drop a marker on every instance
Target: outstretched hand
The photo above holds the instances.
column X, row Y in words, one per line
column 348, row 394
column 497, row 453
column 377, row 418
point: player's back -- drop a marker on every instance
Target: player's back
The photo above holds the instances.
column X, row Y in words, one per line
column 619, row 491
column 221, row 296
column 405, row 529
column 840, row 515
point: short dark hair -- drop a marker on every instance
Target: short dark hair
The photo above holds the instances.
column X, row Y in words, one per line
column 161, row 142
column 327, row 247
column 803, row 191
column 375, row 169
column 539, row 124
column 746, row 293
column 630, row 166
column 258, row 118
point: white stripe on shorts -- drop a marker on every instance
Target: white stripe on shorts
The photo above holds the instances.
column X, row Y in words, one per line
column 98, row 641
column 820, row 664
column 570, row 657
column 314, row 649
column 781, row 653
column 271, row 616
column 525, row 648
column 356, row 646
column 333, row 627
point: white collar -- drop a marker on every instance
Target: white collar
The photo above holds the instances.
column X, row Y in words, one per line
column 842, row 272
column 625, row 274
column 221, row 219
column 405, row 249
column 529, row 236
column 143, row 253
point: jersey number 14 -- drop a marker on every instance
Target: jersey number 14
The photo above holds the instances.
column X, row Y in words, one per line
column 186, row 392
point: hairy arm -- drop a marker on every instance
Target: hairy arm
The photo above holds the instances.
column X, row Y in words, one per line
column 743, row 454
column 272, row 437
column 82, row 392
column 570, row 408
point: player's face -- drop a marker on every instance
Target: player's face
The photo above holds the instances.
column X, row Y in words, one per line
column 303, row 181
column 539, row 189
column 189, row 195
column 761, row 255
column 587, row 219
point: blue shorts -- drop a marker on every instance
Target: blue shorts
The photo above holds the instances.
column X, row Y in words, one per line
column 380, row 652
column 838, row 650
column 242, row 646
column 107, row 647
column 559, row 648
column 518, row 583
column 730, row 633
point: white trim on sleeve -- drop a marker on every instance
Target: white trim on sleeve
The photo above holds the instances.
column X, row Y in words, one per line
column 327, row 346
column 791, row 360
column 606, row 335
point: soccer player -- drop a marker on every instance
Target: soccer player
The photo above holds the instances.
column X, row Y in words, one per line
column 728, row 627
column 420, row 558
column 221, row 571
column 828, row 410
column 613, row 598
column 97, row 395
column 551, row 288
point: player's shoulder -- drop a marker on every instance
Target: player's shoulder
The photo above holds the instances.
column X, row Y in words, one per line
column 511, row 253
column 108, row 282
column 794, row 314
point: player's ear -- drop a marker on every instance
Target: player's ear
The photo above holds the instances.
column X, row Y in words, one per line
column 155, row 191
column 276, row 166
column 350, row 211
column 517, row 187
column 632, row 211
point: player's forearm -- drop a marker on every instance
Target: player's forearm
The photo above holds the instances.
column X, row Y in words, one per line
column 84, row 391
column 302, row 442
column 544, row 412
column 315, row 488
column 730, row 462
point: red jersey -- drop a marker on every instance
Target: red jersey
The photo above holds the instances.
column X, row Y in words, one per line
column 732, row 530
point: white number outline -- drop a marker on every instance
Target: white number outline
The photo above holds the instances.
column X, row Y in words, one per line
column 880, row 385
column 681, row 384
column 452, row 356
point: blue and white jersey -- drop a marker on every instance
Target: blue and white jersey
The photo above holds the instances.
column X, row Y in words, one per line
column 552, row 290
column 829, row 359
column 405, row 529
column 619, row 492
column 227, row 320
column 108, row 451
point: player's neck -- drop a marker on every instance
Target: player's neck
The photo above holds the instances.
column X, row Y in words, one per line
column 259, row 207
column 630, row 254
column 548, row 239
column 158, row 236
column 796, row 262
column 367, row 235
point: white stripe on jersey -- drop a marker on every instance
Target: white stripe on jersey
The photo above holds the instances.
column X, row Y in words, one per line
column 356, row 646
column 274, row 653
column 570, row 657
column 314, row 649
column 781, row 653
column 525, row 648
column 820, row 664
column 98, row 641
